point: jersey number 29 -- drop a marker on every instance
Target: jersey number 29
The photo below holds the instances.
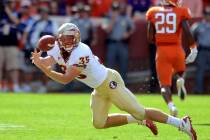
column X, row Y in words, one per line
column 166, row 23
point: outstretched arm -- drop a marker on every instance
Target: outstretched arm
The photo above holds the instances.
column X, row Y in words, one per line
column 65, row 78
column 44, row 65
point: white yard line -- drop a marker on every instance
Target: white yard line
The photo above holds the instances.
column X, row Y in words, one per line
column 5, row 126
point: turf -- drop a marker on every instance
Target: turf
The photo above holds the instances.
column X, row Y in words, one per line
column 68, row 117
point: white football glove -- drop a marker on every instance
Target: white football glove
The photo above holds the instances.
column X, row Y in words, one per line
column 192, row 56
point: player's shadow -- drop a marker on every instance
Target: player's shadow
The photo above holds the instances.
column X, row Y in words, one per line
column 202, row 124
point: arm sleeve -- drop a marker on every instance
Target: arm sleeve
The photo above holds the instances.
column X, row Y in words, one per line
column 149, row 15
column 187, row 14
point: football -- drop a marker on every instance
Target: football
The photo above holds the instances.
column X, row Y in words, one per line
column 46, row 43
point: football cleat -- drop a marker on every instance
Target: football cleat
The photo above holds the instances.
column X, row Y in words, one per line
column 151, row 125
column 182, row 92
column 186, row 126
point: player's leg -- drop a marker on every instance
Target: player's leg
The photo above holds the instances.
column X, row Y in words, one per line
column 179, row 67
column 184, row 124
column 100, row 106
column 126, row 101
column 180, row 85
column 134, row 108
column 123, row 119
column 164, row 72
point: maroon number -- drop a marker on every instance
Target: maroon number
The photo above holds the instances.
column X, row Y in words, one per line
column 87, row 59
column 84, row 60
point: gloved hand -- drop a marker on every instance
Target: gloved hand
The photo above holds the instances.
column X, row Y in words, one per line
column 192, row 56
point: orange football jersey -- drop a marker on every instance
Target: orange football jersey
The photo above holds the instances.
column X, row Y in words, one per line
column 167, row 22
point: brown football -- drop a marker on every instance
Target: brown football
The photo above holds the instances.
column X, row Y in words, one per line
column 46, row 43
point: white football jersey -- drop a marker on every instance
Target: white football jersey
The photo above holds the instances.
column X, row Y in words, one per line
column 93, row 74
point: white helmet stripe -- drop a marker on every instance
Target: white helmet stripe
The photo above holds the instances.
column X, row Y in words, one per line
column 68, row 32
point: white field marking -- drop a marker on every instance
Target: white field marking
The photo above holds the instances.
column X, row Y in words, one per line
column 4, row 127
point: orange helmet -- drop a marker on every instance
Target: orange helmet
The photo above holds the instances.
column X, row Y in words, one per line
column 172, row 2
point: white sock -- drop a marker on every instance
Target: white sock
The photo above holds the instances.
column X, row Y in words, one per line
column 131, row 119
column 171, row 106
column 174, row 121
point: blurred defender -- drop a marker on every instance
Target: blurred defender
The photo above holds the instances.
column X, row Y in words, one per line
column 79, row 63
column 165, row 25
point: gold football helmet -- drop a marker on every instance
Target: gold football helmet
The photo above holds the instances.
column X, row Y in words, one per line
column 68, row 36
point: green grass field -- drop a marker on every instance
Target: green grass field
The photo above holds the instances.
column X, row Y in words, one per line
column 68, row 117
